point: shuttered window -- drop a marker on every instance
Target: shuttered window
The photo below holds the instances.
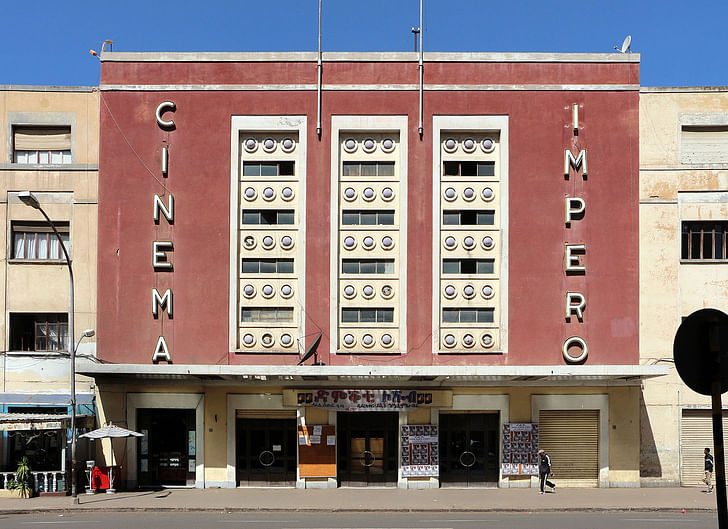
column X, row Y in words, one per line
column 704, row 144
column 696, row 435
column 265, row 414
column 571, row 439
column 42, row 145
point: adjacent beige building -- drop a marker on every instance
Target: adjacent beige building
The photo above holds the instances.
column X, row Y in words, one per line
column 683, row 264
column 48, row 146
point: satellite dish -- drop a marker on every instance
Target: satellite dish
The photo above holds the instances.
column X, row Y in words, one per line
column 625, row 45
column 311, row 350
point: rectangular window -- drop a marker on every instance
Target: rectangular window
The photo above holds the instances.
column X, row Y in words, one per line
column 267, row 266
column 468, row 217
column 266, row 315
column 704, row 241
column 38, row 332
column 468, row 266
column 367, row 315
column 704, row 144
column 468, row 315
column 38, row 242
column 368, row 169
column 368, row 217
column 468, row 168
column 268, row 216
column 367, row 266
column 268, row 169
column 42, row 145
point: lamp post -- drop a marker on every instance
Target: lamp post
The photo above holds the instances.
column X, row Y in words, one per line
column 29, row 199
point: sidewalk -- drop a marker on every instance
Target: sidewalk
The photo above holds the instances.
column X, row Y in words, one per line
column 369, row 499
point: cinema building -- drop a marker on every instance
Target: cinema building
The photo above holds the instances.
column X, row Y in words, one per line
column 449, row 251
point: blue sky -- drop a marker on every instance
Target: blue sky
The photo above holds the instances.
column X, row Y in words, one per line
column 46, row 42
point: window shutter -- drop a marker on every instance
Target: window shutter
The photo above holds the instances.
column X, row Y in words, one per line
column 42, row 138
column 704, row 144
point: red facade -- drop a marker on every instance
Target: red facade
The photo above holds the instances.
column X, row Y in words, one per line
column 540, row 130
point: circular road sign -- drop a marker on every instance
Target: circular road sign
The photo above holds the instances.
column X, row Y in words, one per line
column 700, row 350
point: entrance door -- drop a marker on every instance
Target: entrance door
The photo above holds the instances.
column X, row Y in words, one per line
column 166, row 453
column 367, row 448
column 469, row 449
column 266, row 452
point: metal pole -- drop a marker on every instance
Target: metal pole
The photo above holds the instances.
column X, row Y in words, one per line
column 421, row 68
column 319, row 67
column 71, row 354
column 714, row 346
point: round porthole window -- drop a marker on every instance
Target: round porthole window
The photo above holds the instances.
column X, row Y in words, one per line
column 249, row 340
column 468, row 340
column 287, row 242
column 450, row 145
column 369, row 145
column 267, row 340
column 468, row 193
column 468, row 292
column 349, row 291
column 288, row 145
column 488, row 242
column 268, row 242
column 487, row 194
column 369, row 193
column 250, row 193
column 487, row 340
column 349, row 193
column 349, row 242
column 249, row 291
column 269, row 145
column 268, row 193
column 287, row 193
column 469, row 242
column 469, row 144
column 349, row 340
column 368, row 291
column 387, row 242
column 286, row 340
column 450, row 194
column 387, row 194
column 251, row 145
column 267, row 291
column 249, row 242
column 368, row 242
column 286, row 291
column 450, row 292
column 488, row 145
column 350, row 145
column 449, row 340
column 367, row 340
column 487, row 292
column 387, row 291
column 386, row 340
column 450, row 242
column 388, row 145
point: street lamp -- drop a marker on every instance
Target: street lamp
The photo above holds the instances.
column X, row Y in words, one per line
column 29, row 199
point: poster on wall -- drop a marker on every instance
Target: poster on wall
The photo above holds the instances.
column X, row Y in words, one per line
column 520, row 449
column 420, row 455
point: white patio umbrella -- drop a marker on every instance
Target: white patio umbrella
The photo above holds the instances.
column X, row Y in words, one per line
column 111, row 432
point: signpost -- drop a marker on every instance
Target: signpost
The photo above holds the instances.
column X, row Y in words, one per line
column 700, row 351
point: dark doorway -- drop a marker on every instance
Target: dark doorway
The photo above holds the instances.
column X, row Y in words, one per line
column 266, row 452
column 167, row 452
column 367, row 448
column 469, row 449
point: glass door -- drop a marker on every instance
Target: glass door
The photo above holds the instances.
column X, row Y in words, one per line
column 469, row 449
column 266, row 452
column 367, row 448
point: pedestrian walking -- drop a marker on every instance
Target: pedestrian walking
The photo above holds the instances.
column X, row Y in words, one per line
column 544, row 471
column 708, row 479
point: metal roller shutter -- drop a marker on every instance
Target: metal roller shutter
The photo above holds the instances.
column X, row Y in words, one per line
column 697, row 433
column 265, row 414
column 571, row 439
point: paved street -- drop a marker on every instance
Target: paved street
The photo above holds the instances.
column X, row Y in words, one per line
column 196, row 520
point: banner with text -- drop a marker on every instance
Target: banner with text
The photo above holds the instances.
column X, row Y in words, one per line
column 364, row 399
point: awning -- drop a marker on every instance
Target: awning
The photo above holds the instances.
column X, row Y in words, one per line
column 13, row 422
column 45, row 399
column 372, row 376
